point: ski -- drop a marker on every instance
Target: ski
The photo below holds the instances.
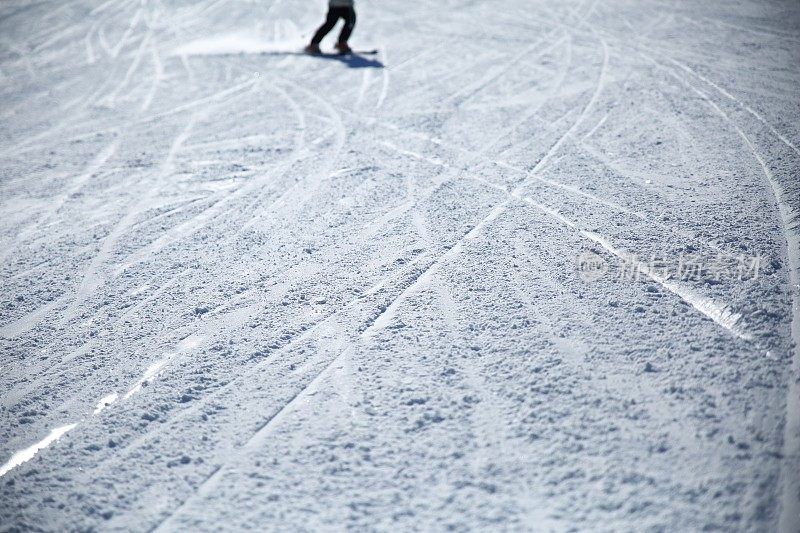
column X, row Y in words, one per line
column 338, row 54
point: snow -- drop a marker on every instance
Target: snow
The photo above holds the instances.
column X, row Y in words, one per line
column 235, row 44
column 498, row 276
column 28, row 453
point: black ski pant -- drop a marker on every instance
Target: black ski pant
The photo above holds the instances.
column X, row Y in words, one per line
column 334, row 14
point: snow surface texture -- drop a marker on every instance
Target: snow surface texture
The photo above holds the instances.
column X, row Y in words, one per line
column 246, row 288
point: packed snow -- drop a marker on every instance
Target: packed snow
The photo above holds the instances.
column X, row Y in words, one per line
column 532, row 266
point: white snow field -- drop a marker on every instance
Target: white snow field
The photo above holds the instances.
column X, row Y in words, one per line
column 533, row 266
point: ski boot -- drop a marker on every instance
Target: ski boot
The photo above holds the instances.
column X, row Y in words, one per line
column 312, row 49
column 343, row 49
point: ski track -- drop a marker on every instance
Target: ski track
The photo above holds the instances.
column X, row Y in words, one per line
column 377, row 323
column 92, row 278
column 214, row 191
column 210, row 399
column 385, row 80
column 385, row 317
column 152, row 372
column 790, row 504
column 715, row 311
column 196, row 222
column 95, row 166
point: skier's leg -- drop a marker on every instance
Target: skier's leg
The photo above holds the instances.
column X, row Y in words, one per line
column 349, row 24
column 327, row 26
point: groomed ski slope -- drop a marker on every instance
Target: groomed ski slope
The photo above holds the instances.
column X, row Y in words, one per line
column 244, row 288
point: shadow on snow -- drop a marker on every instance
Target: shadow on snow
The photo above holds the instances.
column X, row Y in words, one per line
column 352, row 60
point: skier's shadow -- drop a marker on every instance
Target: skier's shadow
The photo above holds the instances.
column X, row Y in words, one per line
column 352, row 60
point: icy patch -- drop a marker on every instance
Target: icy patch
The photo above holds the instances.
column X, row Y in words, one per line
column 105, row 402
column 27, row 454
column 234, row 44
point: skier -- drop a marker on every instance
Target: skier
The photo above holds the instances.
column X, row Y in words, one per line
column 337, row 9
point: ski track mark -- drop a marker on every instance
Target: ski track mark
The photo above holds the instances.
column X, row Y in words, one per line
column 298, row 151
column 553, row 148
column 546, row 181
column 105, row 402
column 202, row 219
column 723, row 316
column 378, row 322
column 547, row 97
column 158, row 76
column 305, row 335
column 102, row 7
column 465, row 93
column 153, row 371
column 738, row 102
column 491, row 435
column 755, row 114
column 718, row 313
column 584, row 112
column 366, row 80
column 790, row 508
column 596, row 127
column 30, row 320
column 90, row 57
column 97, row 163
column 110, row 99
column 92, row 278
column 114, row 52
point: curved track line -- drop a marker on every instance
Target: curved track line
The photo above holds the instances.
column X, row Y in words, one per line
column 382, row 319
column 377, row 322
column 92, row 278
column 110, row 99
column 738, row 102
column 116, row 49
column 158, row 75
column 790, row 497
column 532, row 112
column 584, row 112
